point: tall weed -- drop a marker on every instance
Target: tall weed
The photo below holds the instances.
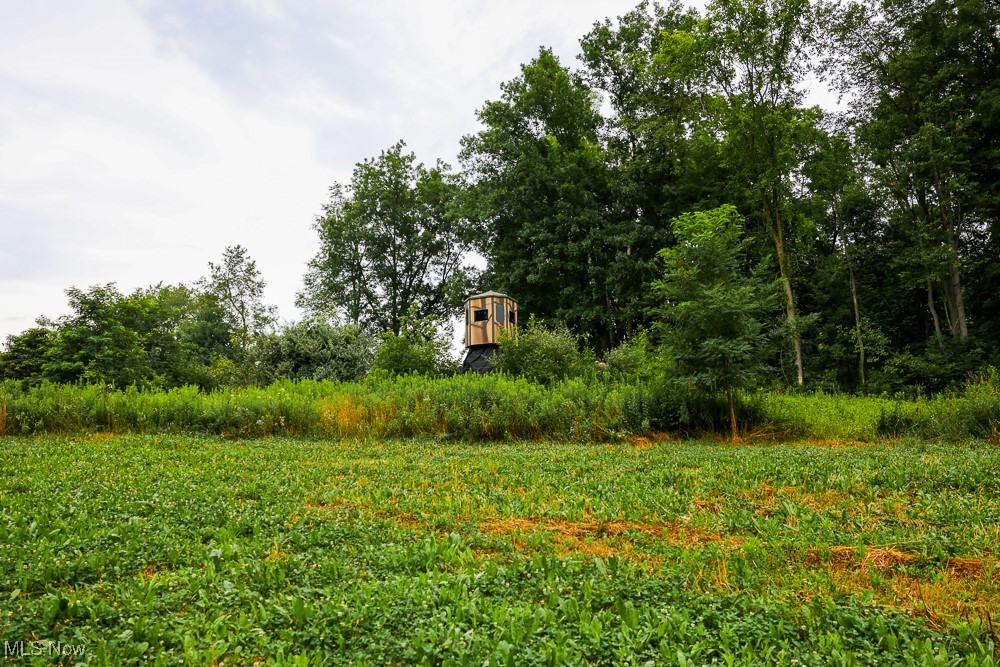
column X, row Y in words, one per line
column 491, row 407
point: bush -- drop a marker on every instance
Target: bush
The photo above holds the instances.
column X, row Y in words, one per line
column 419, row 348
column 944, row 365
column 637, row 360
column 316, row 350
column 490, row 407
column 543, row 354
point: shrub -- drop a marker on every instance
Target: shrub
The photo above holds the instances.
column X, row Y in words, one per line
column 418, row 348
column 543, row 354
column 637, row 360
column 315, row 349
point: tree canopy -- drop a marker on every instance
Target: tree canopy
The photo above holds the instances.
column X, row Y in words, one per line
column 396, row 235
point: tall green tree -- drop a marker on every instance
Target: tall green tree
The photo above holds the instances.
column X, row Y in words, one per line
column 237, row 287
column 395, row 236
column 542, row 190
column 754, row 56
column 844, row 210
column 109, row 338
column 26, row 354
column 923, row 76
column 661, row 160
column 716, row 305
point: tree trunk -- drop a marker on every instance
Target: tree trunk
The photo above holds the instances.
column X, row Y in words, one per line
column 778, row 236
column 857, row 322
column 732, row 411
column 854, row 299
column 961, row 324
column 951, row 219
column 933, row 309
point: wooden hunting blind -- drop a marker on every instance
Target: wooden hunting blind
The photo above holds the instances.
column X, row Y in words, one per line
column 486, row 315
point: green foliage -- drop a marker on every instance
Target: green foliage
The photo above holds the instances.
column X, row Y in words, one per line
column 543, row 353
column 236, row 288
column 943, row 365
column 716, row 314
column 491, row 407
column 182, row 550
column 543, row 190
column 418, row 347
column 637, row 360
column 923, row 80
column 396, row 236
column 316, row 349
column 26, row 354
column 163, row 336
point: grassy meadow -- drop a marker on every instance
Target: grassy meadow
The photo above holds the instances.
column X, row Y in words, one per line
column 190, row 549
column 492, row 408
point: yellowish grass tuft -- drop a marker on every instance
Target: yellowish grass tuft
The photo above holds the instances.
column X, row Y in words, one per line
column 877, row 557
column 277, row 553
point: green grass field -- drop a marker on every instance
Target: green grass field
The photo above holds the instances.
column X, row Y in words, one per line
column 190, row 550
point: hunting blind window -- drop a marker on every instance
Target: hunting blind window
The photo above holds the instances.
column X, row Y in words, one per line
column 481, row 315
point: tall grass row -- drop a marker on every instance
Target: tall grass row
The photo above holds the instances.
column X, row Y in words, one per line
column 493, row 407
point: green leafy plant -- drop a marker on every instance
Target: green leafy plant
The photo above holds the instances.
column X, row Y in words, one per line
column 715, row 313
column 419, row 347
column 543, row 353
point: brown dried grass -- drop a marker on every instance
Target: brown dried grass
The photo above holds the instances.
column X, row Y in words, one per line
column 937, row 600
column 674, row 533
column 317, row 507
column 342, row 415
column 968, row 568
column 878, row 557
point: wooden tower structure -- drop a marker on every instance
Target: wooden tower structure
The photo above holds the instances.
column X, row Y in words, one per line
column 486, row 315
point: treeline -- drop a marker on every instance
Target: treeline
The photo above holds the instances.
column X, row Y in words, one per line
column 879, row 223
column 869, row 236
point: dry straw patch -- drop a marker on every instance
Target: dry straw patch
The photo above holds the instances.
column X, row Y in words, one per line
column 971, row 568
column 321, row 508
column 964, row 588
column 766, row 500
column 949, row 594
column 836, row 443
column 601, row 538
column 878, row 557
